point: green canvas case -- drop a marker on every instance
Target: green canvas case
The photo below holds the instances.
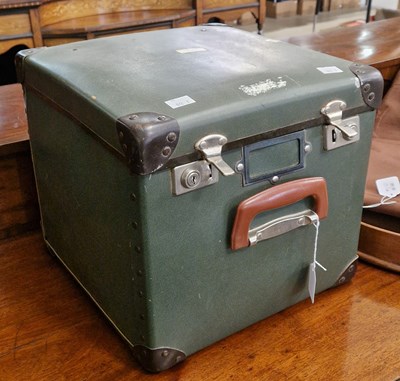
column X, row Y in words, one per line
column 183, row 176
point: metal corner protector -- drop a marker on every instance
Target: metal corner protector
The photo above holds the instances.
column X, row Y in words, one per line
column 371, row 83
column 158, row 359
column 148, row 140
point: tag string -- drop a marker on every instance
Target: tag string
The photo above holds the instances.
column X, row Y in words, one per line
column 316, row 225
column 384, row 201
column 312, row 276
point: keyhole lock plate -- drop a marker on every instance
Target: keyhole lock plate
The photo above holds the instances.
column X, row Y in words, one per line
column 193, row 176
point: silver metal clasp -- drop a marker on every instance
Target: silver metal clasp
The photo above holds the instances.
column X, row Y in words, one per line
column 211, row 148
column 281, row 225
column 339, row 131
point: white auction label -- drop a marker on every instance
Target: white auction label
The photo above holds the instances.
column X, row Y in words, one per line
column 191, row 50
column 180, row 102
column 329, row 70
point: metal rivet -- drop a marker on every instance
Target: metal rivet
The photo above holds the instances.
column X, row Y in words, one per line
column 367, row 87
column 203, row 29
column 239, row 167
column 203, row 144
column 178, row 359
column 301, row 221
column 307, row 148
column 133, row 197
column 351, row 269
column 162, row 117
column 121, row 135
column 132, row 117
column 140, row 272
column 275, row 179
column 371, row 96
column 138, row 249
column 342, row 106
column 135, row 225
column 166, row 151
column 222, row 141
column 141, row 293
column 164, row 353
column 342, row 280
column 171, row 137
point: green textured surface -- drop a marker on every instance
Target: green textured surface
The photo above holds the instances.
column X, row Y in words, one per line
column 100, row 80
column 172, row 280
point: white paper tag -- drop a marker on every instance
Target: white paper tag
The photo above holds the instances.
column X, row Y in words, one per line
column 329, row 70
column 180, row 102
column 389, row 186
column 312, row 281
column 191, row 50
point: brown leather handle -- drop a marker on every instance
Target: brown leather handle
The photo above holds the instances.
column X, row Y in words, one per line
column 277, row 197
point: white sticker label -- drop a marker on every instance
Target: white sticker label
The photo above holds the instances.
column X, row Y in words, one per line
column 191, row 50
column 329, row 70
column 180, row 102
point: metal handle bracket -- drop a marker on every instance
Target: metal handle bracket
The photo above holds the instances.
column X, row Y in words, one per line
column 281, row 225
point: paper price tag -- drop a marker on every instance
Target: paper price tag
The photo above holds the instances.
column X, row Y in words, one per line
column 389, row 186
column 312, row 281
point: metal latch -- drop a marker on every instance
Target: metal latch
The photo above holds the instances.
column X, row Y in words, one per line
column 281, row 225
column 211, row 148
column 339, row 131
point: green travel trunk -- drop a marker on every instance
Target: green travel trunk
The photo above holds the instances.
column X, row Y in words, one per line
column 183, row 176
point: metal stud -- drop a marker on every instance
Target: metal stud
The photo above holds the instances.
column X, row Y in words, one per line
column 166, row 151
column 275, row 179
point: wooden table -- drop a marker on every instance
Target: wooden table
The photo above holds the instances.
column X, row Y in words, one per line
column 19, row 24
column 19, row 209
column 50, row 330
column 376, row 43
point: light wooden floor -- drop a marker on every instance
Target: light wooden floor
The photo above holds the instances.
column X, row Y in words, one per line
column 50, row 330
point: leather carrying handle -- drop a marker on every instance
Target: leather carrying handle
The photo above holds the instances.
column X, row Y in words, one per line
column 277, row 197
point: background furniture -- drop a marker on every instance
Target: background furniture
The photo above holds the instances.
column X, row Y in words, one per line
column 19, row 210
column 65, row 21
column 229, row 10
column 380, row 230
column 376, row 44
column 19, row 29
column 19, row 24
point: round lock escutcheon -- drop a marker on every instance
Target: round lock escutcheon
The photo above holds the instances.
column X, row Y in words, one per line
column 191, row 178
